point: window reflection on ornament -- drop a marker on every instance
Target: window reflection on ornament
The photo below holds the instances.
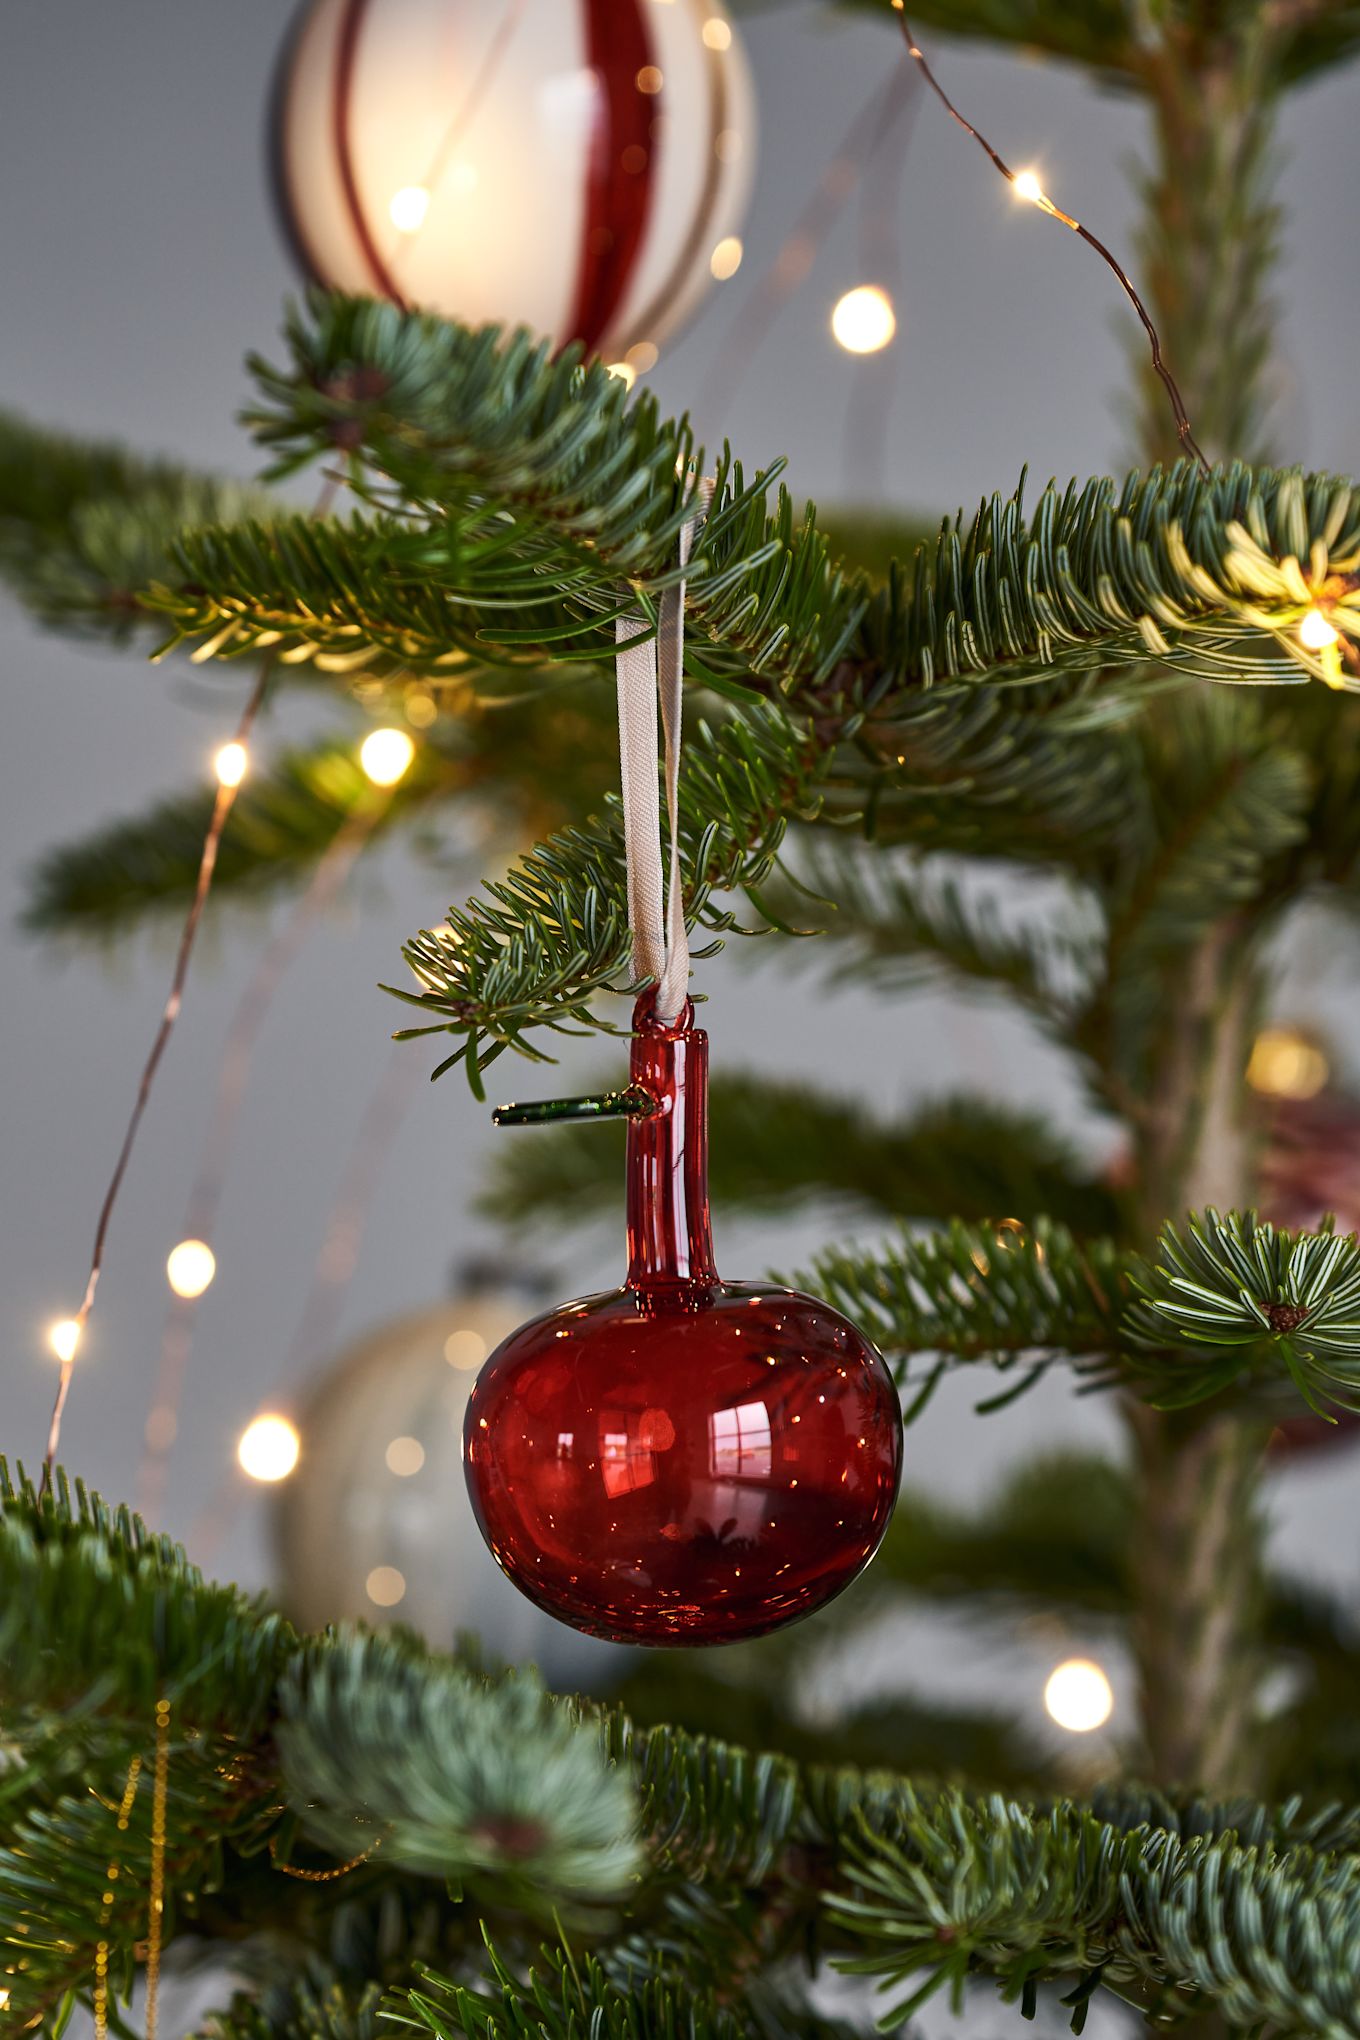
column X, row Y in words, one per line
column 739, row 1442
column 626, row 1463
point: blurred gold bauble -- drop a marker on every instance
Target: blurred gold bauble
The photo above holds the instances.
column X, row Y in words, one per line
column 375, row 1524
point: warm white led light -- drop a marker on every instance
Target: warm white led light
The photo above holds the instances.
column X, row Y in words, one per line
column 407, row 208
column 1027, row 186
column 231, row 763
column 1315, row 632
column 864, row 320
column 725, row 260
column 386, row 756
column 190, row 1267
column 1078, row 1696
column 269, row 1448
column 63, row 1337
column 625, row 372
column 716, row 33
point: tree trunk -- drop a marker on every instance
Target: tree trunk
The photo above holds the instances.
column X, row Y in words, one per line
column 1209, row 235
column 1196, row 1554
column 1196, row 1566
column 1206, row 246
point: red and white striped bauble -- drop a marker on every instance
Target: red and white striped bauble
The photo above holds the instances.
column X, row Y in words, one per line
column 566, row 165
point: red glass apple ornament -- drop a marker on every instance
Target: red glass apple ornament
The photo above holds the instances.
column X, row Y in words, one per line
column 683, row 1460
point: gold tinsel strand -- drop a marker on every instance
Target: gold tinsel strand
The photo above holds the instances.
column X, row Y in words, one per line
column 158, row 1798
column 101, row 1953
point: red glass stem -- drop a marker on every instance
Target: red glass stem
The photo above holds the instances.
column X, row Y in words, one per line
column 670, row 1241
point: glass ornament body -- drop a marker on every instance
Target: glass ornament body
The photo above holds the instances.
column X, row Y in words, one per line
column 566, row 165
column 683, row 1460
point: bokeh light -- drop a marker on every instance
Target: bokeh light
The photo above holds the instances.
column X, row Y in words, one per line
column 1285, row 1063
column 864, row 320
column 385, row 1586
column 269, row 1448
column 190, row 1267
column 1078, row 1696
column 386, row 756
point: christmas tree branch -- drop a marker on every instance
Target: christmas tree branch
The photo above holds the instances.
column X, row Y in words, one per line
column 376, row 1744
column 561, row 1996
column 466, row 430
column 86, row 527
column 1228, row 797
column 900, row 922
column 533, row 949
column 1230, row 1303
column 284, row 820
column 1174, row 1924
column 509, row 768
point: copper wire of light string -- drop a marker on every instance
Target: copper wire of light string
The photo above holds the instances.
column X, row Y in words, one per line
column 1045, row 204
column 335, row 1264
column 798, row 251
column 205, row 1198
column 876, row 378
column 322, row 1876
column 222, row 807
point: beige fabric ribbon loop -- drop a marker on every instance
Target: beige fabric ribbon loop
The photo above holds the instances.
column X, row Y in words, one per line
column 647, row 672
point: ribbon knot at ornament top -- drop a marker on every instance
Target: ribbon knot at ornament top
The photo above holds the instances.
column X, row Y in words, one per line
column 681, row 1460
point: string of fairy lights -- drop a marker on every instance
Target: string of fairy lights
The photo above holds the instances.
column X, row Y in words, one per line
column 1285, row 1063
column 385, row 756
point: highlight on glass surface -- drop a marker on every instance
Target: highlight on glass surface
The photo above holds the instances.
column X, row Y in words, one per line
column 407, row 208
column 725, row 260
